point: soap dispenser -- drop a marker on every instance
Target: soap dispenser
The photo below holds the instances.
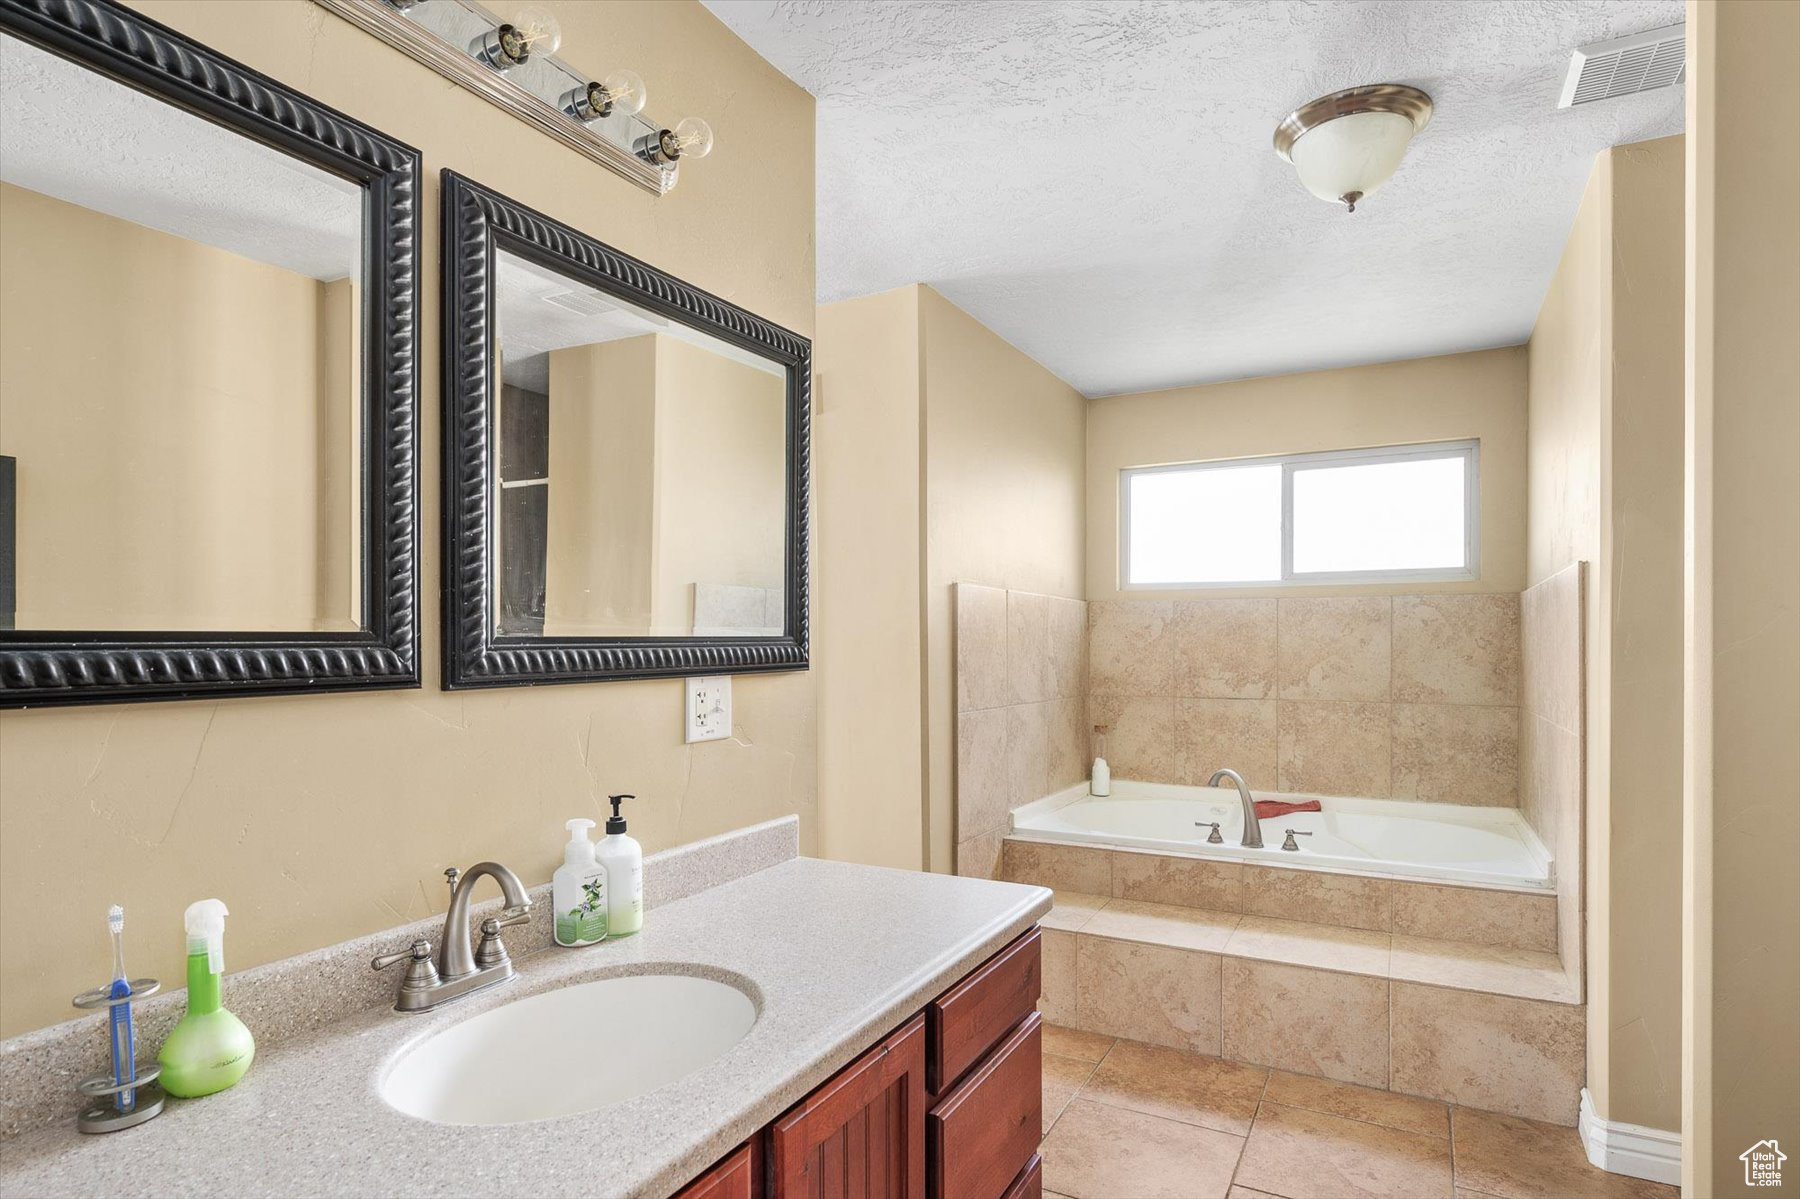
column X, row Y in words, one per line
column 623, row 859
column 210, row 1049
column 578, row 890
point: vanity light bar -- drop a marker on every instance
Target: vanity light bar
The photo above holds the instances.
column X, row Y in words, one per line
column 599, row 119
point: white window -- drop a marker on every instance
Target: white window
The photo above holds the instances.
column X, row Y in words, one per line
column 1399, row 514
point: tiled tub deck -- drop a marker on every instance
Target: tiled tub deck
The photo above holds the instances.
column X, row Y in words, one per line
column 1451, row 993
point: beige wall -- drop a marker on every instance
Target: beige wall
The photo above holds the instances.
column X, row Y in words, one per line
column 721, row 478
column 869, row 632
column 1428, row 399
column 318, row 818
column 957, row 459
column 1004, row 446
column 599, row 570
column 1605, row 451
column 667, row 469
column 1741, row 1045
column 189, row 467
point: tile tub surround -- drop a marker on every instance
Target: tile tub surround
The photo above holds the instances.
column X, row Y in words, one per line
column 1488, row 916
column 1391, row 697
column 1022, row 727
column 1552, row 766
column 832, row 975
column 298, row 996
column 1483, row 1025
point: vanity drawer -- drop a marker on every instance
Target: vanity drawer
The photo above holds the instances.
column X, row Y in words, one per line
column 985, row 1132
column 1030, row 1182
column 970, row 1017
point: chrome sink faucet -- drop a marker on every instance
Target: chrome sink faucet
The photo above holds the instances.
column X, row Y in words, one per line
column 458, row 970
column 1252, row 826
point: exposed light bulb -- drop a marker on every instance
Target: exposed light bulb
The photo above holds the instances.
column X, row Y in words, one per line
column 693, row 138
column 626, row 90
column 538, row 30
column 532, row 30
column 622, row 92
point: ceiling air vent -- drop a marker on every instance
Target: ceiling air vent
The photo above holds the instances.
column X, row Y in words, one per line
column 1625, row 65
column 584, row 302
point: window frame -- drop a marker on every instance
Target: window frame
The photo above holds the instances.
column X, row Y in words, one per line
column 1469, row 450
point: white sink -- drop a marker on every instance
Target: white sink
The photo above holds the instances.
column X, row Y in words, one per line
column 569, row 1050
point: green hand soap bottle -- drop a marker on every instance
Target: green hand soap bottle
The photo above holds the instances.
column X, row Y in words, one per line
column 210, row 1049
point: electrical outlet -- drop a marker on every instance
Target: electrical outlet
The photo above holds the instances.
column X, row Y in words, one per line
column 709, row 708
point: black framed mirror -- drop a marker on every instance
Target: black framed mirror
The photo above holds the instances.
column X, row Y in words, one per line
column 626, row 463
column 207, row 369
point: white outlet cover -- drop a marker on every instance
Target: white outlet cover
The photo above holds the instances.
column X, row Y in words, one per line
column 709, row 708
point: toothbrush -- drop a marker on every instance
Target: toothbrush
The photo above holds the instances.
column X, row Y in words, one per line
column 124, row 1041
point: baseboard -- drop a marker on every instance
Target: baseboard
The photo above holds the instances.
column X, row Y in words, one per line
column 1649, row 1153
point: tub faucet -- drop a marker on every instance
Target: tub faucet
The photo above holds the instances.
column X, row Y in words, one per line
column 1252, row 826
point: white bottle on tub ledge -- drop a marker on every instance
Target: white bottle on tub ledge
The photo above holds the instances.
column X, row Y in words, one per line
column 1101, row 780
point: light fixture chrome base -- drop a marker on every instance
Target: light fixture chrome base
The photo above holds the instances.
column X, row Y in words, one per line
column 660, row 148
column 590, row 103
column 489, row 49
column 1399, row 98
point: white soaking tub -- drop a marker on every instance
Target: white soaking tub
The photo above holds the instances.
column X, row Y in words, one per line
column 1399, row 838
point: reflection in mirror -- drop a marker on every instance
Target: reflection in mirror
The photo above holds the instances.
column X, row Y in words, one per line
column 643, row 470
column 180, row 367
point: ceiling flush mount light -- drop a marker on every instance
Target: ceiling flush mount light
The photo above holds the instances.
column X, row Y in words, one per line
column 1346, row 145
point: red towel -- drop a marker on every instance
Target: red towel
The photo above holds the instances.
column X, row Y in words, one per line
column 1268, row 809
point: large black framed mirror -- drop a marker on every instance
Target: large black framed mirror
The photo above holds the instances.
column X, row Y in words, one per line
column 625, row 463
column 208, row 285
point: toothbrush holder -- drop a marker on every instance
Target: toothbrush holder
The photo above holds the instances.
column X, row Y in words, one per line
column 144, row 1098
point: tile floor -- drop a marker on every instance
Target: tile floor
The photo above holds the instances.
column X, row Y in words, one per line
column 1124, row 1120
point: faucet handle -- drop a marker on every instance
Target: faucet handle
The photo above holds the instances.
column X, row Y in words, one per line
column 492, row 950
column 1292, row 844
column 421, row 971
column 417, row 951
column 1212, row 838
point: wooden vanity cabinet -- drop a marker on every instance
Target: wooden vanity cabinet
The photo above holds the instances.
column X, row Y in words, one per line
column 948, row 1106
column 862, row 1133
column 739, row 1176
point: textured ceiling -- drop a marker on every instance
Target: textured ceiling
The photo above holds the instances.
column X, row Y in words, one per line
column 532, row 323
column 1093, row 179
column 69, row 133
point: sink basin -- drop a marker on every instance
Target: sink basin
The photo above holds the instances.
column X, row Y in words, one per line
column 569, row 1050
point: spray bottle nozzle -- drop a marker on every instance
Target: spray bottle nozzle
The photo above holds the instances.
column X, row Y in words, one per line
column 205, row 920
column 616, row 822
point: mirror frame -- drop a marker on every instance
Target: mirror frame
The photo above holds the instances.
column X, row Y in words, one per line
column 72, row 667
column 476, row 223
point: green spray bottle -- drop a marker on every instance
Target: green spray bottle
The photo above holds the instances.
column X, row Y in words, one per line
column 210, row 1049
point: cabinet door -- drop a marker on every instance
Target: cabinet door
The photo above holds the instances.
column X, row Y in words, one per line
column 862, row 1134
column 732, row 1178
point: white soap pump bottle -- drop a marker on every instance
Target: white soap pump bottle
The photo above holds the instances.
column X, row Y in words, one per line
column 578, row 890
column 623, row 860
column 1101, row 781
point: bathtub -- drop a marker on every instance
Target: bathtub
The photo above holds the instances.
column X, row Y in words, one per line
column 1394, row 838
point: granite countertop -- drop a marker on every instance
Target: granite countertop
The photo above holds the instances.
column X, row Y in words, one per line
column 838, row 954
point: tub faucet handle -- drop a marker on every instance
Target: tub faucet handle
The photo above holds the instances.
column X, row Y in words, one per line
column 1212, row 838
column 1292, row 844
